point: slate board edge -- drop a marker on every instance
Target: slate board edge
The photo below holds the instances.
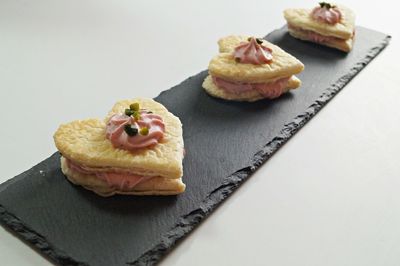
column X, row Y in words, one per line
column 37, row 241
column 189, row 221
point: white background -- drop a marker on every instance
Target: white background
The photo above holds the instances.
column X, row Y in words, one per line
column 330, row 196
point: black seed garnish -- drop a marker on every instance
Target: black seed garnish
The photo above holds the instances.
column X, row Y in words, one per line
column 131, row 130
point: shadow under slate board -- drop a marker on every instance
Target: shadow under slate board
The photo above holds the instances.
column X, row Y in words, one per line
column 225, row 143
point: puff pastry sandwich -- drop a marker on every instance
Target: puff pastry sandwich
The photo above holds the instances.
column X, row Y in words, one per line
column 137, row 149
column 327, row 24
column 250, row 69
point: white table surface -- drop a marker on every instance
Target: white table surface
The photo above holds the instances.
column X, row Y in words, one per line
column 330, row 196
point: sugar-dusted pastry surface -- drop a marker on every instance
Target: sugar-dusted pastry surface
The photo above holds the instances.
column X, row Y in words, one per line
column 224, row 65
column 300, row 17
column 153, row 186
column 249, row 96
column 84, row 142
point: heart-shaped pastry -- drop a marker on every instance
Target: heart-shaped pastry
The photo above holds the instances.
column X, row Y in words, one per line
column 327, row 24
column 137, row 149
column 250, row 69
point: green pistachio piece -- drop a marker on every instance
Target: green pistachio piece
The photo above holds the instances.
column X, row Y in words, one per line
column 128, row 112
column 144, row 131
column 326, row 5
column 134, row 107
column 136, row 115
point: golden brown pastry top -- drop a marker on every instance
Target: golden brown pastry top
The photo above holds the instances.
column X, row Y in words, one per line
column 224, row 65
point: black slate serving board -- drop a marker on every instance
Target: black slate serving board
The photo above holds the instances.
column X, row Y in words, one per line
column 225, row 143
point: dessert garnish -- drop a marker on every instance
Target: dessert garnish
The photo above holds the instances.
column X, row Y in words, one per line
column 252, row 52
column 326, row 13
column 135, row 128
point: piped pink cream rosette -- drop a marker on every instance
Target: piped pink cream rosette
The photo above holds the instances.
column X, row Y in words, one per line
column 326, row 13
column 120, row 125
column 252, row 52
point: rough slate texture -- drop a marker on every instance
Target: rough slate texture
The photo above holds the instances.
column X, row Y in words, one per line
column 225, row 142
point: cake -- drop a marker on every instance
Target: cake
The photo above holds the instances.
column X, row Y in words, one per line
column 251, row 69
column 137, row 150
column 327, row 24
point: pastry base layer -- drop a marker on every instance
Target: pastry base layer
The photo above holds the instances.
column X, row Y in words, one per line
column 153, row 186
column 343, row 45
column 249, row 96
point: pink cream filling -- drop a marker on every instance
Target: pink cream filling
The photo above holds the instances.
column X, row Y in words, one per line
column 120, row 139
column 252, row 53
column 326, row 15
column 120, row 179
column 269, row 90
column 315, row 37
